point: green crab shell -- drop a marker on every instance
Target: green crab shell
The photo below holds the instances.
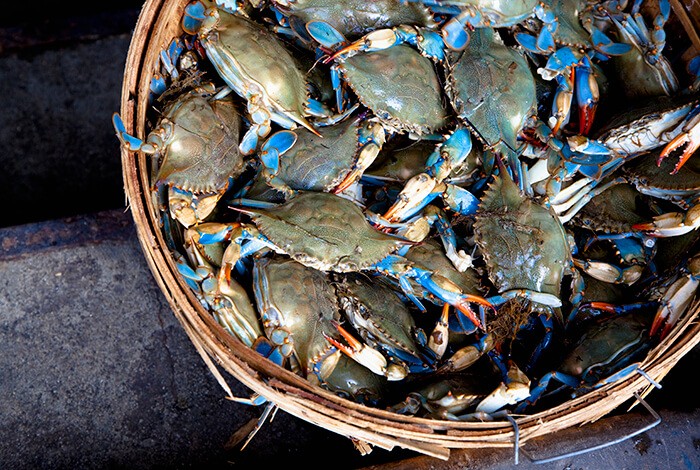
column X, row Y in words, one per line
column 615, row 210
column 352, row 380
column 401, row 164
column 355, row 18
column 325, row 232
column 401, row 88
column 523, row 243
column 378, row 314
column 649, row 176
column 202, row 151
column 499, row 13
column 606, row 344
column 260, row 60
column 570, row 31
column 492, row 89
column 301, row 301
column 317, row 163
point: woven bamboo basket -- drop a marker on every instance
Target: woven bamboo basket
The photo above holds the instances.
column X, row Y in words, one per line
column 157, row 25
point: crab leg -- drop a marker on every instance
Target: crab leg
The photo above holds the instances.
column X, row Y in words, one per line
column 429, row 43
column 367, row 356
column 438, row 340
column 441, row 287
column 468, row 355
column 610, row 273
column 514, row 389
column 371, row 139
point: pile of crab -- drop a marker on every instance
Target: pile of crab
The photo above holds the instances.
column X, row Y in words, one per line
column 449, row 209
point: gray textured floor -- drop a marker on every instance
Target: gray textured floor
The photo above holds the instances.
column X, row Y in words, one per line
column 95, row 371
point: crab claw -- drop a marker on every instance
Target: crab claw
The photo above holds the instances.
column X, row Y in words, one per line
column 366, row 356
column 672, row 224
column 438, row 340
column 689, row 137
column 376, row 40
column 514, row 389
column 587, row 95
column 371, row 139
column 416, row 194
column 677, row 299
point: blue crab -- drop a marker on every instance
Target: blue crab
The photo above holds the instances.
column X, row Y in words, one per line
column 644, row 71
column 331, row 233
column 526, row 250
column 493, row 92
column 330, row 163
column 673, row 294
column 606, row 350
column 576, row 43
column 665, row 124
column 611, row 216
column 384, row 323
column 195, row 150
column 446, row 397
column 395, row 81
column 299, row 311
column 681, row 188
column 297, row 314
column 226, row 299
column 255, row 64
column 467, row 15
column 353, row 18
column 421, row 189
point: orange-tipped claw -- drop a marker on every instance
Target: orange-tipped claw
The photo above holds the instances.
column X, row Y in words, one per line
column 585, row 118
column 659, row 322
column 677, row 142
column 347, row 182
column 607, row 307
column 353, row 344
column 390, row 214
column 355, row 46
column 463, row 306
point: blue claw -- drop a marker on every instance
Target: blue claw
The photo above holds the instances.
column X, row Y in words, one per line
column 193, row 17
column 450, row 154
column 587, row 94
column 325, row 34
column 279, row 143
column 134, row 144
column 603, row 44
column 431, row 44
column 460, row 200
column 455, row 35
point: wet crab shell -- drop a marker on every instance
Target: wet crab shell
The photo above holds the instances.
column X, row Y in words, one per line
column 354, row 18
column 317, row 163
column 202, row 151
column 261, row 60
column 300, row 301
column 613, row 211
column 401, row 88
column 382, row 319
column 523, row 243
column 326, row 232
column 492, row 90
